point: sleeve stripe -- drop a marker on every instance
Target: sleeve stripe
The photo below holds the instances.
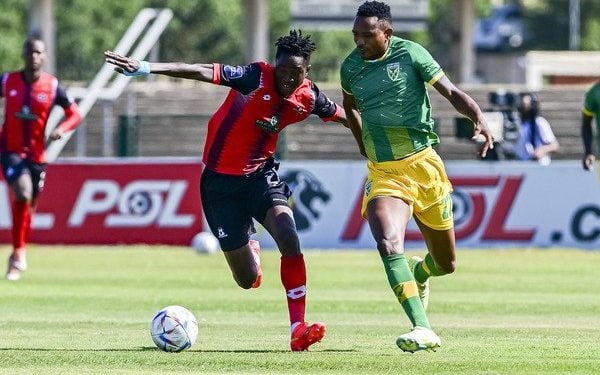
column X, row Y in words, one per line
column 216, row 73
column 335, row 116
column 587, row 112
column 436, row 77
column 349, row 93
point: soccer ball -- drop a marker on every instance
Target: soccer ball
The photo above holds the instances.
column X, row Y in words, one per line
column 174, row 329
column 205, row 243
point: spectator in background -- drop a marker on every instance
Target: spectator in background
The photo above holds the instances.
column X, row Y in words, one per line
column 29, row 96
column 591, row 108
column 536, row 140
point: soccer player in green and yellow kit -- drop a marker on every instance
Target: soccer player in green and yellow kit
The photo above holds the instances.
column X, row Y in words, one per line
column 389, row 113
column 591, row 109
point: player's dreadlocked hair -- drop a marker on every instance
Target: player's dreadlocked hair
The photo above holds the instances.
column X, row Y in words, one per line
column 295, row 44
column 375, row 9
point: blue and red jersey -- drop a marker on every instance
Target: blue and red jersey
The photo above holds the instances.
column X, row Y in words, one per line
column 26, row 111
column 242, row 134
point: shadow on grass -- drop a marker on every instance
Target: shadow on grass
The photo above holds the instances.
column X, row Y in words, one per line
column 154, row 349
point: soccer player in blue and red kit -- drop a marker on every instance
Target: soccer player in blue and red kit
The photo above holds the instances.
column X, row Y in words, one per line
column 29, row 96
column 240, row 180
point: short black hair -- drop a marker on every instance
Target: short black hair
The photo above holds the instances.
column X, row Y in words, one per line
column 375, row 9
column 32, row 39
column 295, row 44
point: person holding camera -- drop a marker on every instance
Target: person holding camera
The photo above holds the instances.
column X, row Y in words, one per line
column 536, row 140
column 591, row 108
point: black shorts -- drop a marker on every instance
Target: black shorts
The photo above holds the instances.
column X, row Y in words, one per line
column 13, row 166
column 231, row 202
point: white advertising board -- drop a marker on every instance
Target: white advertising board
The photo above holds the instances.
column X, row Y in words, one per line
column 496, row 205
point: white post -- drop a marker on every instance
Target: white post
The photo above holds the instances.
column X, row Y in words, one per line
column 256, row 30
column 574, row 18
column 41, row 24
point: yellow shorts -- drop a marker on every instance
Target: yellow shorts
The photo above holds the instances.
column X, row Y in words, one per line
column 420, row 180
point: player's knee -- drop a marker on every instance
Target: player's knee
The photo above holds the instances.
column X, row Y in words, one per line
column 23, row 196
column 388, row 246
column 246, row 281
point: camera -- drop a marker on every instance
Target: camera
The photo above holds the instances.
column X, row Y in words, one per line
column 503, row 121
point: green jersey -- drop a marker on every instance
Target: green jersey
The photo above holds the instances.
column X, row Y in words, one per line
column 392, row 99
column 591, row 107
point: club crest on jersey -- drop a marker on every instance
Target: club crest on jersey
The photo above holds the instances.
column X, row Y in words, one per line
column 42, row 97
column 299, row 109
column 393, row 71
column 266, row 97
column 12, row 92
column 233, row 71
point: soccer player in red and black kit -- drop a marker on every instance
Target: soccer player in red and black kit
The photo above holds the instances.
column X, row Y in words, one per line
column 29, row 96
column 240, row 179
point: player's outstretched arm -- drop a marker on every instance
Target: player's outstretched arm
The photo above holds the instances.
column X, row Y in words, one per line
column 466, row 106
column 133, row 67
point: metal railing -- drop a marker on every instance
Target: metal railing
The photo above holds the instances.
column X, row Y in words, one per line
column 158, row 19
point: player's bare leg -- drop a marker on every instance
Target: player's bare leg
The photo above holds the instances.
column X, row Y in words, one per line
column 244, row 266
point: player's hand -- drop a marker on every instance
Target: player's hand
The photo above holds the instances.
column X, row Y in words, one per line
column 127, row 65
column 588, row 162
column 481, row 128
column 57, row 134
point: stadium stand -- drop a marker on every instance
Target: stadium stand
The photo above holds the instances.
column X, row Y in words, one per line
column 173, row 117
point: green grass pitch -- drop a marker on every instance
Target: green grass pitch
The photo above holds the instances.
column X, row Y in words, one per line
column 87, row 310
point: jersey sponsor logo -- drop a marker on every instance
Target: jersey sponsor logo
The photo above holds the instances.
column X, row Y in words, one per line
column 271, row 125
column 141, row 203
column 309, row 197
column 233, row 71
column 393, row 71
column 26, row 114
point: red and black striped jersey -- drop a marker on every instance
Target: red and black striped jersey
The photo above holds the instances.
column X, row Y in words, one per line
column 26, row 111
column 242, row 134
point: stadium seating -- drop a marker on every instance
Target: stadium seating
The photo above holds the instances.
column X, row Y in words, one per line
column 173, row 117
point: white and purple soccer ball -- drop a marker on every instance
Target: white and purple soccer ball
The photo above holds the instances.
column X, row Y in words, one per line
column 174, row 329
column 205, row 243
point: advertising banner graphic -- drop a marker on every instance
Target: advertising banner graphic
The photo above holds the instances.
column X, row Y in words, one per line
column 99, row 202
column 156, row 201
